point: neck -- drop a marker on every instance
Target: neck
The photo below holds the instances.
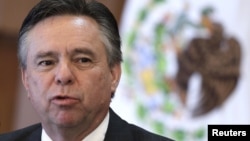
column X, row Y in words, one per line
column 68, row 135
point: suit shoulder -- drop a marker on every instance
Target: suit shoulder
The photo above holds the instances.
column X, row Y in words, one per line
column 140, row 133
column 22, row 134
column 119, row 129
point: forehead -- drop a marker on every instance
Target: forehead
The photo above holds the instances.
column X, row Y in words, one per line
column 65, row 30
column 67, row 23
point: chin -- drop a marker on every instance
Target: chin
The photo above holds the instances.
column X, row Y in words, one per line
column 67, row 121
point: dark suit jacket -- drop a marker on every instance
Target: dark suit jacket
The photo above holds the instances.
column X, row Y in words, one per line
column 118, row 130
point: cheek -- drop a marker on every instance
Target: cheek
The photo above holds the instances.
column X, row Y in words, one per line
column 99, row 87
column 36, row 87
column 34, row 83
column 34, row 90
column 37, row 94
column 105, row 82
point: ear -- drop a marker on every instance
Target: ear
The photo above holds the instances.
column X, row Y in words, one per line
column 116, row 74
column 25, row 80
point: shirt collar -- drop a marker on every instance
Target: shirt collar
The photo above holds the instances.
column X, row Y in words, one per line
column 97, row 135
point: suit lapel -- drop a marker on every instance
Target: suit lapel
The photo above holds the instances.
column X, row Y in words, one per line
column 36, row 134
column 118, row 129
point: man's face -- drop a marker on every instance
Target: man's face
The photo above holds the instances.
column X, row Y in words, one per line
column 68, row 79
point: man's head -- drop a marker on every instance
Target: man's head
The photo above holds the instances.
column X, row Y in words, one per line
column 70, row 58
column 97, row 11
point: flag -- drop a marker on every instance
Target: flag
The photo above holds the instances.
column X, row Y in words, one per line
column 154, row 33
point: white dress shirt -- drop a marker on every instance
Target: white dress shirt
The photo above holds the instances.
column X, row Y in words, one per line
column 97, row 135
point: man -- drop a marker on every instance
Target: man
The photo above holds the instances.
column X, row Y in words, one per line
column 70, row 58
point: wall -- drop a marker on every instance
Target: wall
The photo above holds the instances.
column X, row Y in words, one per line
column 8, row 80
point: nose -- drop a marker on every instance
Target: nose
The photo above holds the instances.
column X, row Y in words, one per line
column 64, row 75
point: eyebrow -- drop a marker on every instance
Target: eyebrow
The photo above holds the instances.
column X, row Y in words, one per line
column 83, row 51
column 46, row 54
column 55, row 54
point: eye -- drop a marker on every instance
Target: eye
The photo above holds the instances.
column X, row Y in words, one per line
column 84, row 60
column 45, row 63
